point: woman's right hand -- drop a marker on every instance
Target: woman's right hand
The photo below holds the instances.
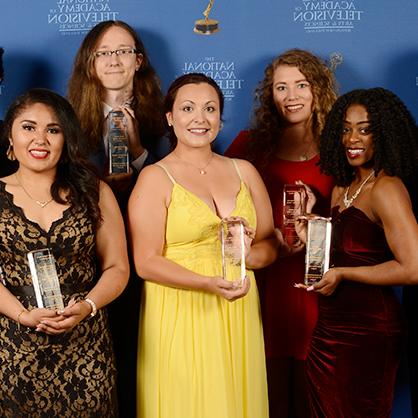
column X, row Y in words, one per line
column 228, row 290
column 32, row 318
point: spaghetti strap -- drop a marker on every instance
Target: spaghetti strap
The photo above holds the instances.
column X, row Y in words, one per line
column 236, row 168
column 167, row 172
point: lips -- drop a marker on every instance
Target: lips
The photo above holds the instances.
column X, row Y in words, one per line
column 354, row 152
column 199, row 131
column 294, row 108
column 39, row 153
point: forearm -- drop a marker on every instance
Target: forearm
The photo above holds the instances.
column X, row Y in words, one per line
column 110, row 285
column 390, row 273
column 10, row 306
column 262, row 253
column 159, row 269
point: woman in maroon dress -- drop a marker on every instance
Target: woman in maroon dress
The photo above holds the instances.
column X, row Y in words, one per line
column 295, row 96
column 369, row 145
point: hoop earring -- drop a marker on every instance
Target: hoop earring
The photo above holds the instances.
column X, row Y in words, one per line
column 10, row 153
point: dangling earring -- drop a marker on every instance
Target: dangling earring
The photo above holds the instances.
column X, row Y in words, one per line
column 10, row 153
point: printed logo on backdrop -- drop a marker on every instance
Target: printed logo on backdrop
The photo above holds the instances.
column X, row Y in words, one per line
column 328, row 16
column 75, row 17
column 223, row 72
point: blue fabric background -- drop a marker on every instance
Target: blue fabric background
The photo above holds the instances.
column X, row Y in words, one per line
column 377, row 40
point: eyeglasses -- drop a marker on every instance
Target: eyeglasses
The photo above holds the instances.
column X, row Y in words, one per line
column 122, row 53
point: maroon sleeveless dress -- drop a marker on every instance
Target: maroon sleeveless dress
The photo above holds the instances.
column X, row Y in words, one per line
column 357, row 343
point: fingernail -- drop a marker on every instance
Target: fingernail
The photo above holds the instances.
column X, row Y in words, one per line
column 309, row 289
column 60, row 312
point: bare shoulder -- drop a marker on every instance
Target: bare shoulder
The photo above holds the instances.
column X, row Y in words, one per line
column 385, row 185
column 245, row 167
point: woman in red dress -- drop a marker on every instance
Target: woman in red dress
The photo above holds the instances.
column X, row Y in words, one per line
column 371, row 147
column 295, row 96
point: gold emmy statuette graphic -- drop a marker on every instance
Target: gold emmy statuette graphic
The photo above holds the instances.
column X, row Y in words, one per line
column 206, row 26
column 335, row 59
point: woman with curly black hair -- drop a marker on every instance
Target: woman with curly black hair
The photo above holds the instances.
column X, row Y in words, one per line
column 294, row 97
column 369, row 146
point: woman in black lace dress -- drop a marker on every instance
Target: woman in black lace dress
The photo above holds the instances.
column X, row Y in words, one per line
column 56, row 363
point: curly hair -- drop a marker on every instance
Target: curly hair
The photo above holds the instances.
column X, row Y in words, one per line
column 189, row 78
column 394, row 130
column 267, row 123
column 73, row 175
column 85, row 90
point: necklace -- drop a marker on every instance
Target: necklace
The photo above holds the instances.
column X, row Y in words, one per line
column 41, row 203
column 202, row 170
column 348, row 201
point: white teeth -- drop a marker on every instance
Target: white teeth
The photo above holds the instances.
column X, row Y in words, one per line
column 39, row 153
column 294, row 107
column 198, row 131
column 355, row 151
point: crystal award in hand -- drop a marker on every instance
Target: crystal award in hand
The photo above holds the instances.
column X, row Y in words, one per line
column 45, row 279
column 318, row 244
column 117, row 140
column 233, row 250
column 294, row 205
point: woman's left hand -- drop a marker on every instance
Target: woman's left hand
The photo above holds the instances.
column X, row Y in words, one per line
column 327, row 285
column 310, row 196
column 69, row 317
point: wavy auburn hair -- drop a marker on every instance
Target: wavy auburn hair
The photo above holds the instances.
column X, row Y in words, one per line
column 267, row 123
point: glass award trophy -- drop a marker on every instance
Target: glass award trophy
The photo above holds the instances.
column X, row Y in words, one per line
column 318, row 244
column 294, row 205
column 233, row 250
column 45, row 279
column 117, row 141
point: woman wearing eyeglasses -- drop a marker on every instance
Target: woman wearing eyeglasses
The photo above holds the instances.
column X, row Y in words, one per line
column 112, row 72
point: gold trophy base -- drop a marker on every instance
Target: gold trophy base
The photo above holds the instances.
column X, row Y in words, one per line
column 206, row 26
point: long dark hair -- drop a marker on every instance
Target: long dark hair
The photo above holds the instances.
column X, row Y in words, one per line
column 395, row 135
column 190, row 78
column 73, row 175
column 85, row 90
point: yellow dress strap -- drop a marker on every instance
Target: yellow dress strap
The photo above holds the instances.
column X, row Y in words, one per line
column 167, row 172
column 236, row 168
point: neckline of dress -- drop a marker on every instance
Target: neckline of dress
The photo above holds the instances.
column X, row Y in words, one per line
column 195, row 196
column 21, row 212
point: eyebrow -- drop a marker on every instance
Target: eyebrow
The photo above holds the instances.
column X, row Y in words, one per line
column 358, row 123
column 119, row 46
column 191, row 101
column 35, row 123
column 297, row 81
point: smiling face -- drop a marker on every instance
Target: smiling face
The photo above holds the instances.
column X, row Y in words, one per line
column 195, row 116
column 292, row 95
column 357, row 137
column 37, row 138
column 116, row 72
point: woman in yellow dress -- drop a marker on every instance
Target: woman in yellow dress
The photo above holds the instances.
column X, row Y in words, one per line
column 201, row 349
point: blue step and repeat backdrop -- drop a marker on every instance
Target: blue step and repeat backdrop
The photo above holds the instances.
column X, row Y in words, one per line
column 376, row 41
